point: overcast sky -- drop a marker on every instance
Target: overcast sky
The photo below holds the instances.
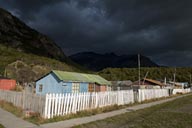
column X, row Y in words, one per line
column 160, row 29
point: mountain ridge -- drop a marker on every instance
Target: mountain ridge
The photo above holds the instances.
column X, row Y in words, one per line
column 96, row 61
column 16, row 34
column 26, row 54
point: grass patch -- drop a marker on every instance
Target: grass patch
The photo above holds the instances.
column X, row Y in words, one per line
column 1, row 126
column 37, row 119
column 174, row 114
column 11, row 108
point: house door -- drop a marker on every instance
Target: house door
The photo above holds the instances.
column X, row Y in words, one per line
column 91, row 88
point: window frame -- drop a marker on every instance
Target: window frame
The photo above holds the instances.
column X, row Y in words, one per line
column 91, row 88
column 40, row 87
column 75, row 87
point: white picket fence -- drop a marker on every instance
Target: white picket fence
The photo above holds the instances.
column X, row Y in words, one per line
column 26, row 101
column 147, row 94
column 63, row 104
column 175, row 91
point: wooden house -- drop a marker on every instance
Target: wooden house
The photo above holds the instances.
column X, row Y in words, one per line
column 71, row 82
column 179, row 85
column 7, row 84
column 148, row 83
column 121, row 85
column 29, row 87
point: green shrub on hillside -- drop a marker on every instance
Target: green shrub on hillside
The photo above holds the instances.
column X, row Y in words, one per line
column 182, row 74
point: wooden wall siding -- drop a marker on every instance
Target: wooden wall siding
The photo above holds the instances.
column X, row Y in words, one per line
column 7, row 84
column 97, row 88
column 91, row 88
column 26, row 101
column 103, row 88
column 83, row 87
column 108, row 88
column 63, row 104
column 52, row 85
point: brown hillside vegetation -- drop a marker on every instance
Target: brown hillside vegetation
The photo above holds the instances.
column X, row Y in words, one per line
column 28, row 67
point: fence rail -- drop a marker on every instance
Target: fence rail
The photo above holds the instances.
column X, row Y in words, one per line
column 63, row 104
column 52, row 105
column 175, row 91
column 26, row 101
column 147, row 94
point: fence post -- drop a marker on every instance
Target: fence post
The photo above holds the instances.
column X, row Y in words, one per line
column 23, row 99
column 55, row 104
column 46, row 105
column 96, row 99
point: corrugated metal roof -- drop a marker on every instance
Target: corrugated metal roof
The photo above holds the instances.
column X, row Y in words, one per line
column 80, row 77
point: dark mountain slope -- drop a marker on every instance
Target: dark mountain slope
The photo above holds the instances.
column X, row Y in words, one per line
column 14, row 33
column 25, row 54
column 96, row 62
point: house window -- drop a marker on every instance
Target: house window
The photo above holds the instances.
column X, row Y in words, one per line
column 91, row 88
column 65, row 88
column 40, row 88
column 75, row 87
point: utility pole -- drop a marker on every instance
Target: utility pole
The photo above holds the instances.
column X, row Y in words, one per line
column 174, row 75
column 145, row 77
column 139, row 69
column 165, row 81
column 190, row 81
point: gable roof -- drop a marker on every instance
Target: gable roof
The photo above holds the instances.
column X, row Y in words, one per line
column 154, row 81
column 80, row 77
column 122, row 83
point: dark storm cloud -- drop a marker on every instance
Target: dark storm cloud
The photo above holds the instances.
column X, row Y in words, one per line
column 27, row 8
column 76, row 26
column 158, row 28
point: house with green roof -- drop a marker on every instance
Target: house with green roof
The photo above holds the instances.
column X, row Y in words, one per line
column 71, row 82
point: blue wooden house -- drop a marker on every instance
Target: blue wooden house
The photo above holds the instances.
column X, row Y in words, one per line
column 70, row 82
